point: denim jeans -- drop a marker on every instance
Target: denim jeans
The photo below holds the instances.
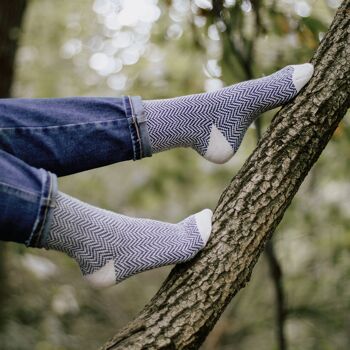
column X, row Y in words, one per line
column 42, row 138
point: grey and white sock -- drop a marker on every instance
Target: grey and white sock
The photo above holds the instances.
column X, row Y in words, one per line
column 214, row 123
column 110, row 247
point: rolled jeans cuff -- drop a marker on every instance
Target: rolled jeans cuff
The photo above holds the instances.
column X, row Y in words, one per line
column 138, row 127
column 42, row 224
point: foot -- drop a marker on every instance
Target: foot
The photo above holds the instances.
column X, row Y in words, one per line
column 214, row 123
column 110, row 247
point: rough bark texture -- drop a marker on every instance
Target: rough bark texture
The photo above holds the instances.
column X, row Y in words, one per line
column 195, row 294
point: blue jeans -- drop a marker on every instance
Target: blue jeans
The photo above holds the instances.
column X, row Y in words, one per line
column 42, row 138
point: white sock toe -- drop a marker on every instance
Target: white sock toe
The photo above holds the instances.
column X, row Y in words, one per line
column 104, row 277
column 203, row 220
column 302, row 74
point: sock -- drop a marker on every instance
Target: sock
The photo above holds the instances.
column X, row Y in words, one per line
column 214, row 123
column 110, row 247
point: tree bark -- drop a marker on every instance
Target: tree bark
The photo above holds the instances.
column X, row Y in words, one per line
column 11, row 15
column 280, row 303
column 195, row 294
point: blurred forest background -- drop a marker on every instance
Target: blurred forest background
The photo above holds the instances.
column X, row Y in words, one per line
column 299, row 294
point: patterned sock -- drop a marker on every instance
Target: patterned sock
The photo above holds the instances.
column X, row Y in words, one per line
column 110, row 247
column 214, row 123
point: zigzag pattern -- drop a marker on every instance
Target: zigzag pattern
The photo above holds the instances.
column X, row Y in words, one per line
column 94, row 236
column 187, row 121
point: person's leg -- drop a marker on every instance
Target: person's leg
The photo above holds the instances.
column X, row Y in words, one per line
column 214, row 123
column 70, row 135
column 26, row 201
column 108, row 247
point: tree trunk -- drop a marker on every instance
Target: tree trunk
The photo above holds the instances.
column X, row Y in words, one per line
column 11, row 15
column 195, row 294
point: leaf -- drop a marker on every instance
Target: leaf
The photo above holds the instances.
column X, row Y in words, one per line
column 314, row 25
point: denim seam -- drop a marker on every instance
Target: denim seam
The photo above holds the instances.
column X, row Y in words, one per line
column 129, row 119
column 58, row 126
column 46, row 223
column 134, row 121
column 142, row 125
column 41, row 220
column 18, row 188
column 47, row 208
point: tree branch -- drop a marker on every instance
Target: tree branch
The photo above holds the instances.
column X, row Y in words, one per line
column 11, row 17
column 277, row 280
column 195, row 294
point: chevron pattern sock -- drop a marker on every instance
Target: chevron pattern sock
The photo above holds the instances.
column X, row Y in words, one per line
column 214, row 123
column 110, row 247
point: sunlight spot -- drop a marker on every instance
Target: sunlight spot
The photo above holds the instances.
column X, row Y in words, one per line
column 41, row 267
column 213, row 33
column 246, row 6
column 174, row 31
column 117, row 81
column 65, row 301
column 213, row 84
column 302, row 8
column 182, row 6
column 213, row 68
column 27, row 53
column 333, row 3
column 138, row 10
column 71, row 48
column 99, row 61
column 204, row 4
column 95, row 43
column 130, row 56
column 175, row 15
column 103, row 7
column 229, row 3
column 122, row 40
column 143, row 28
column 200, row 21
column 154, row 53
column 111, row 22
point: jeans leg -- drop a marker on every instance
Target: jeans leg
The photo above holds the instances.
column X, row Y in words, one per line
column 26, row 199
column 70, row 135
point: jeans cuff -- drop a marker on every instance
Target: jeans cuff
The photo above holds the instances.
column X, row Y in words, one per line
column 138, row 127
column 42, row 224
